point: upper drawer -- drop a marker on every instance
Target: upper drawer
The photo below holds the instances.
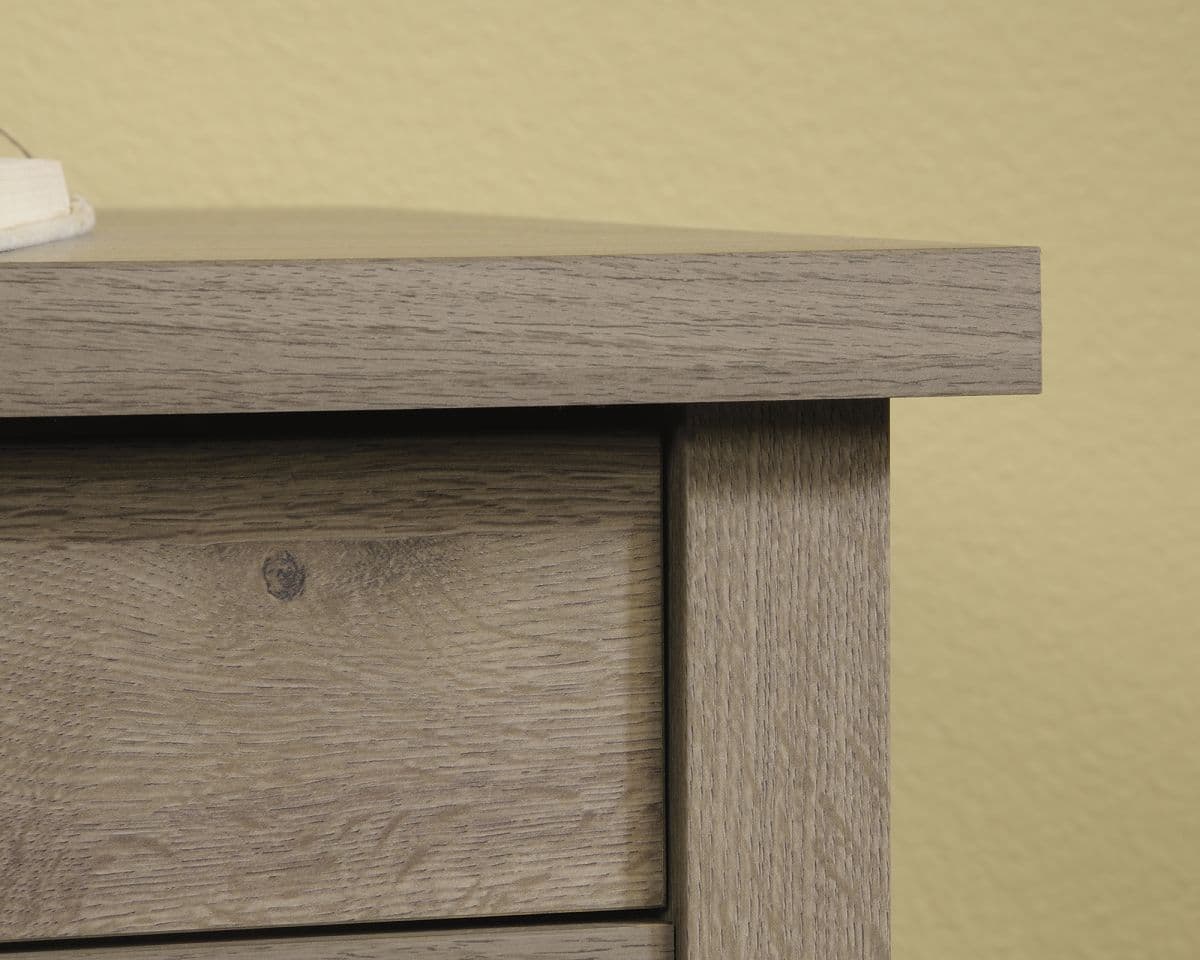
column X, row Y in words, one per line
column 248, row 684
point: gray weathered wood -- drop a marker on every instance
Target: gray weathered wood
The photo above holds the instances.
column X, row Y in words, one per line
column 187, row 313
column 777, row 671
column 598, row 941
column 295, row 682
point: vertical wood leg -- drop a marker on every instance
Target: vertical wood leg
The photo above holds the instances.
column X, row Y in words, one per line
column 778, row 681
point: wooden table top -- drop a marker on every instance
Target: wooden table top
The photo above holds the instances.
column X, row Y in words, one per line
column 254, row 311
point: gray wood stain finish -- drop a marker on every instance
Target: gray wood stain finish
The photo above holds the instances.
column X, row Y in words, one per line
column 584, row 941
column 187, row 313
column 313, row 681
column 778, row 682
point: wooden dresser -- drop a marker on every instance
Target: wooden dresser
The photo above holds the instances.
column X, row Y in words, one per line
column 403, row 585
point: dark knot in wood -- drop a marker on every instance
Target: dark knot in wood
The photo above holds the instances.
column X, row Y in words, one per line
column 284, row 575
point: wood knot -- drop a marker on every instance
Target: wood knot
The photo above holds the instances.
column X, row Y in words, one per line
column 284, row 575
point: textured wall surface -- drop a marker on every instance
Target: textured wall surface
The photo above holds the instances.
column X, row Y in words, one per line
column 1046, row 648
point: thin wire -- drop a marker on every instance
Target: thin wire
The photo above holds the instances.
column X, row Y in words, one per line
column 15, row 142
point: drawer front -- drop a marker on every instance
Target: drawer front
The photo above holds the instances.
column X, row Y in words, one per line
column 590, row 941
column 258, row 684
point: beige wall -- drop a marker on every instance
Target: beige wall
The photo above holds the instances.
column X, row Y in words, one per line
column 1046, row 650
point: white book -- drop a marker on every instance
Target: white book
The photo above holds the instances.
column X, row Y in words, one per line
column 31, row 191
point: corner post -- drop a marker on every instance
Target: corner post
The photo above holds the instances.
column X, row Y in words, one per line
column 778, row 681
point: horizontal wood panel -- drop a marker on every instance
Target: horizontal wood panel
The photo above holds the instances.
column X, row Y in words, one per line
column 328, row 681
column 207, row 491
column 236, row 335
column 598, row 941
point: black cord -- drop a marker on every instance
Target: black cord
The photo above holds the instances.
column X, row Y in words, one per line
column 15, row 142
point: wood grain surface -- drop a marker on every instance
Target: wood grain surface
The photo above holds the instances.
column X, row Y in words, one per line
column 777, row 670
column 263, row 683
column 590, row 941
column 180, row 314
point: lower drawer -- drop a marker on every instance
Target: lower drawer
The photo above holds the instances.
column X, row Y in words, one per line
column 296, row 682
column 590, row 941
